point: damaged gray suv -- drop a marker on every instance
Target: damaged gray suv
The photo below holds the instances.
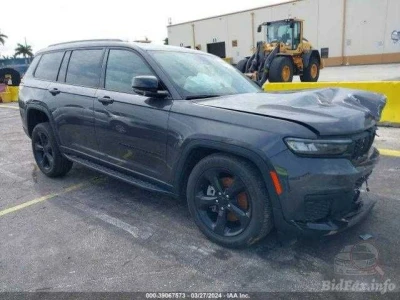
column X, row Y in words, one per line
column 187, row 124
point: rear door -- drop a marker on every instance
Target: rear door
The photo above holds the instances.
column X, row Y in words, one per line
column 72, row 96
column 131, row 129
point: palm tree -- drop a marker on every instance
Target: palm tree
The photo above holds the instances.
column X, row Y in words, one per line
column 24, row 50
column 2, row 38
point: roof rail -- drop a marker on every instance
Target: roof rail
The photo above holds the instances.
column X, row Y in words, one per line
column 79, row 41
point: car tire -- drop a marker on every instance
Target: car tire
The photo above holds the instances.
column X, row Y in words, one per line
column 47, row 153
column 311, row 73
column 241, row 220
column 281, row 70
column 241, row 66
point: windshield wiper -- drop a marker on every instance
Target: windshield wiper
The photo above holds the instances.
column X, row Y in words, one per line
column 200, row 97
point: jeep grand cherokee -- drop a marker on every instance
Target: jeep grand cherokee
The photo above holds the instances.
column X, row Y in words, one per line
column 185, row 123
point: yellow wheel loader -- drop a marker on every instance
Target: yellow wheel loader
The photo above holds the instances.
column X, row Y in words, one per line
column 284, row 54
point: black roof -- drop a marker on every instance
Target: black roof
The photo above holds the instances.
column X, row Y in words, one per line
column 113, row 43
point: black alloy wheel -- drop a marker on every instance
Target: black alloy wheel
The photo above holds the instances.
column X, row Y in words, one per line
column 43, row 151
column 229, row 201
column 223, row 202
column 47, row 153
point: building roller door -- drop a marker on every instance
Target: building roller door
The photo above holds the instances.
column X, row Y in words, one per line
column 217, row 49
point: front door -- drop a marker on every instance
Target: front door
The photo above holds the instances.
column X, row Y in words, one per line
column 131, row 129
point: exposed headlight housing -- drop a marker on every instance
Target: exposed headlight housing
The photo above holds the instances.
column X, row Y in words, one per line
column 318, row 147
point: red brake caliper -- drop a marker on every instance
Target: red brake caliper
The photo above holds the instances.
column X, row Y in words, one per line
column 241, row 198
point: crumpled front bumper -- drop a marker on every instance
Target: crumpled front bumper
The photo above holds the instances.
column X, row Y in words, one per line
column 322, row 196
column 328, row 227
column 331, row 227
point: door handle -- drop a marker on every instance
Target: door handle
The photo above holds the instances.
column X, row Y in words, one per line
column 54, row 91
column 105, row 100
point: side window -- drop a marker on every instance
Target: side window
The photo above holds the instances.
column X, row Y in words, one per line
column 122, row 66
column 49, row 65
column 85, row 67
column 63, row 68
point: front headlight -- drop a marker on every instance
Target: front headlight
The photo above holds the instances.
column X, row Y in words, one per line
column 318, row 147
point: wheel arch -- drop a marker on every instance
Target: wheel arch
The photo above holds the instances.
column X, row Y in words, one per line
column 308, row 55
column 30, row 112
column 35, row 115
column 199, row 149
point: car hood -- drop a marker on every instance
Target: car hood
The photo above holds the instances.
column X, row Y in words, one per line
column 331, row 111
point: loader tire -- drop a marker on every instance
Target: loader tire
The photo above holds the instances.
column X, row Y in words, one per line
column 241, row 66
column 281, row 70
column 311, row 73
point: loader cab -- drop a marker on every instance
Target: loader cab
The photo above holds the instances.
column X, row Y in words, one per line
column 288, row 32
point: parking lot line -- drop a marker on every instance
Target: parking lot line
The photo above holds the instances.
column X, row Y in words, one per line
column 8, row 106
column 388, row 152
column 41, row 199
column 144, row 232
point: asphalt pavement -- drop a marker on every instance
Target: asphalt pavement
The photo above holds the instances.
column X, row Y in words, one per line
column 88, row 232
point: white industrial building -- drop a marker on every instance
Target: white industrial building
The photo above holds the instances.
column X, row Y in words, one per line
column 349, row 31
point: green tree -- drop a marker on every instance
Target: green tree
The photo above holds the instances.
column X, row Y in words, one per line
column 3, row 38
column 24, row 50
column 166, row 41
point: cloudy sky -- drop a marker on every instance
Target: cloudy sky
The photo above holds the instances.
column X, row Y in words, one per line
column 44, row 22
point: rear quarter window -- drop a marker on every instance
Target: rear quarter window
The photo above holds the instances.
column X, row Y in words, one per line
column 49, row 65
column 32, row 66
column 84, row 67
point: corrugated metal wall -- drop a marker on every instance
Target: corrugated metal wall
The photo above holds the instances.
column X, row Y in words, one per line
column 368, row 32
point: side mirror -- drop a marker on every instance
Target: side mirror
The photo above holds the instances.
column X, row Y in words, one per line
column 148, row 86
column 259, row 28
